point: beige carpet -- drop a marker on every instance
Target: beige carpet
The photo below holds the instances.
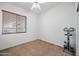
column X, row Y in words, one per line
column 34, row 48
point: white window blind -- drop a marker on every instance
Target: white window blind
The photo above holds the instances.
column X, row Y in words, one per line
column 13, row 23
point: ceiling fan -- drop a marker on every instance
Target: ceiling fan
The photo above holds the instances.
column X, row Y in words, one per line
column 36, row 5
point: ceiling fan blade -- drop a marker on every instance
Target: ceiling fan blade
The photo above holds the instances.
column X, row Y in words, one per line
column 34, row 5
column 38, row 6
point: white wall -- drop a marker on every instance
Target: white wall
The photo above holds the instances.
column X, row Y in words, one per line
column 53, row 22
column 77, row 33
column 10, row 40
column 77, row 40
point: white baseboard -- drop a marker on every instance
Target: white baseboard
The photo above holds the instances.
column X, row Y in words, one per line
column 52, row 42
column 29, row 41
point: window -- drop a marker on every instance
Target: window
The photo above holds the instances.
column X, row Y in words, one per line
column 13, row 23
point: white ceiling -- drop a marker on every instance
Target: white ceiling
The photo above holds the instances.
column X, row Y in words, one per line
column 44, row 6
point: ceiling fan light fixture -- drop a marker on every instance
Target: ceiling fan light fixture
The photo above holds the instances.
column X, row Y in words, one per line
column 36, row 5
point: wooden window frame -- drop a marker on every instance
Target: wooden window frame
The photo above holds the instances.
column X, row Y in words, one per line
column 16, row 22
